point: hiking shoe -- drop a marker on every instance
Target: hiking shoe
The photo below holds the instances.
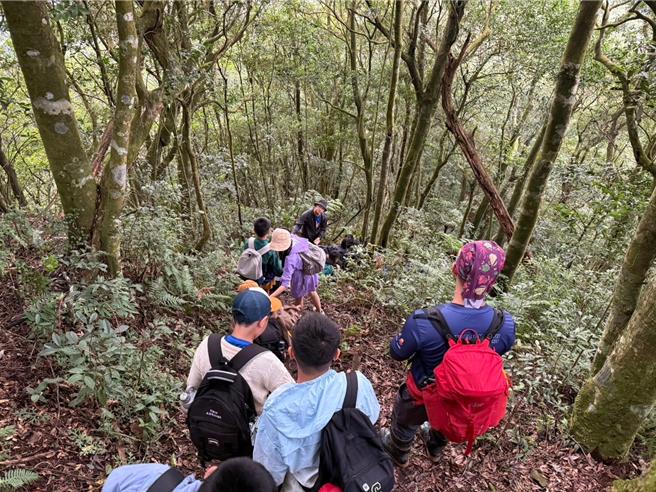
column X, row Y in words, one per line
column 400, row 457
column 433, row 441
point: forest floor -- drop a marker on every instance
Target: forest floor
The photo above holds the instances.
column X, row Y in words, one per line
column 59, row 442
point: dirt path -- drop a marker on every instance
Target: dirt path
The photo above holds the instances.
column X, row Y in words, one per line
column 50, row 439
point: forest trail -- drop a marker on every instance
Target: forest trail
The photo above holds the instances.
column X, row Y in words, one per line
column 60, row 443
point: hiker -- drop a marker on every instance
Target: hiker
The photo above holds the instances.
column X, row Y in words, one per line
column 258, row 261
column 313, row 222
column 289, row 431
column 277, row 335
column 294, row 278
column 264, row 373
column 475, row 270
column 233, row 475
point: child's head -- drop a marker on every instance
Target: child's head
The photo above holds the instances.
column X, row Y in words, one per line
column 261, row 227
column 315, row 343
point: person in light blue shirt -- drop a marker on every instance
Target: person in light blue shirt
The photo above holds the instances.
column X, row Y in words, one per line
column 233, row 475
column 289, row 430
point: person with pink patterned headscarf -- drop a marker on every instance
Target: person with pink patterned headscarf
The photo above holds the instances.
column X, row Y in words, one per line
column 476, row 270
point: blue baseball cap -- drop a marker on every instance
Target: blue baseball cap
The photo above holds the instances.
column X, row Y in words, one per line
column 250, row 306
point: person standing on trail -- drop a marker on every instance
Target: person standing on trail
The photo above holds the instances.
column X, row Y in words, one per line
column 313, row 222
column 264, row 373
column 271, row 262
column 293, row 278
column 475, row 270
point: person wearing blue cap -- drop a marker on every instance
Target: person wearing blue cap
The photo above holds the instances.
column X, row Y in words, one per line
column 264, row 373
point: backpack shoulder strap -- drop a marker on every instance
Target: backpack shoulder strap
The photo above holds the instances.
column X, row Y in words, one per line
column 351, row 396
column 440, row 324
column 251, row 242
column 214, row 349
column 264, row 249
column 497, row 323
column 245, row 355
column 167, row 481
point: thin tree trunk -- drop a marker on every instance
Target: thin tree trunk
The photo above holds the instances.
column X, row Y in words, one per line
column 189, row 155
column 561, row 110
column 389, row 120
column 639, row 257
column 613, row 405
column 11, row 177
column 42, row 64
column 436, row 173
column 465, row 215
column 427, row 100
column 365, row 148
column 226, row 115
column 115, row 178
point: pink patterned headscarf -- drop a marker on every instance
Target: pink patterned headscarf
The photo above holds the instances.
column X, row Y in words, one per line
column 478, row 265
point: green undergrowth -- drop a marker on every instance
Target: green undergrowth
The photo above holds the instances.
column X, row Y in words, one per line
column 123, row 346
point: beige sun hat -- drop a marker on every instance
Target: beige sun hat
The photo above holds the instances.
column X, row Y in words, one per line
column 281, row 240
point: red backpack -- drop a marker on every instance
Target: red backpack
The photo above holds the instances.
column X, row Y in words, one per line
column 471, row 388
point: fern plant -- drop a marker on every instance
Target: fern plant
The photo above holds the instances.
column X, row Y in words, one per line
column 17, row 478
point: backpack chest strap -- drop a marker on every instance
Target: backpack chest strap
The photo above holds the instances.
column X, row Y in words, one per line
column 239, row 360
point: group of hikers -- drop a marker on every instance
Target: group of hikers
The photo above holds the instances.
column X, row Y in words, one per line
column 269, row 431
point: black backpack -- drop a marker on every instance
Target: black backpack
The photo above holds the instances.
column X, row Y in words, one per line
column 274, row 339
column 352, row 455
column 219, row 418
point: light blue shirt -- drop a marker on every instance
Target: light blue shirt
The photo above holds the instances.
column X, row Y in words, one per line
column 137, row 478
column 289, row 430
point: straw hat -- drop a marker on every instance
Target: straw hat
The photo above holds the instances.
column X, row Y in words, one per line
column 281, row 240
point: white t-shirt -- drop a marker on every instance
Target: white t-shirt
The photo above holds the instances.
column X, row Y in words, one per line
column 263, row 373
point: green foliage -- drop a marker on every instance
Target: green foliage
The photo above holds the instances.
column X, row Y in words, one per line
column 87, row 445
column 15, row 479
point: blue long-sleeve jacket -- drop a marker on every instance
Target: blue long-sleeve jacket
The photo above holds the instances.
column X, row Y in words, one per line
column 420, row 341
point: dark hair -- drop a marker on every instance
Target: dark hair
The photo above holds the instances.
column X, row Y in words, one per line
column 239, row 475
column 261, row 226
column 315, row 340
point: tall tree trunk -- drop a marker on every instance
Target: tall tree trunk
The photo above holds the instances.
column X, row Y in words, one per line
column 427, row 100
column 613, row 404
column 363, row 141
column 561, row 110
column 639, row 257
column 42, row 64
column 191, row 164
column 389, row 119
column 11, row 177
column 115, row 177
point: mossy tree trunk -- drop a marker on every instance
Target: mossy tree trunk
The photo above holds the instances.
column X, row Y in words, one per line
column 521, row 181
column 389, row 119
column 645, row 483
column 427, row 99
column 561, row 110
column 42, row 64
column 114, row 188
column 637, row 261
column 613, row 404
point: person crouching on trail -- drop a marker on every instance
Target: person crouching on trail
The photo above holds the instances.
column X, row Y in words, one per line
column 293, row 277
column 475, row 270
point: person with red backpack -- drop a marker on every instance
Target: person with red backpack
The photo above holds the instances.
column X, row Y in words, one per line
column 457, row 386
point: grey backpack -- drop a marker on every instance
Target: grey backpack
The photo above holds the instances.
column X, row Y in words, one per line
column 314, row 260
column 250, row 261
